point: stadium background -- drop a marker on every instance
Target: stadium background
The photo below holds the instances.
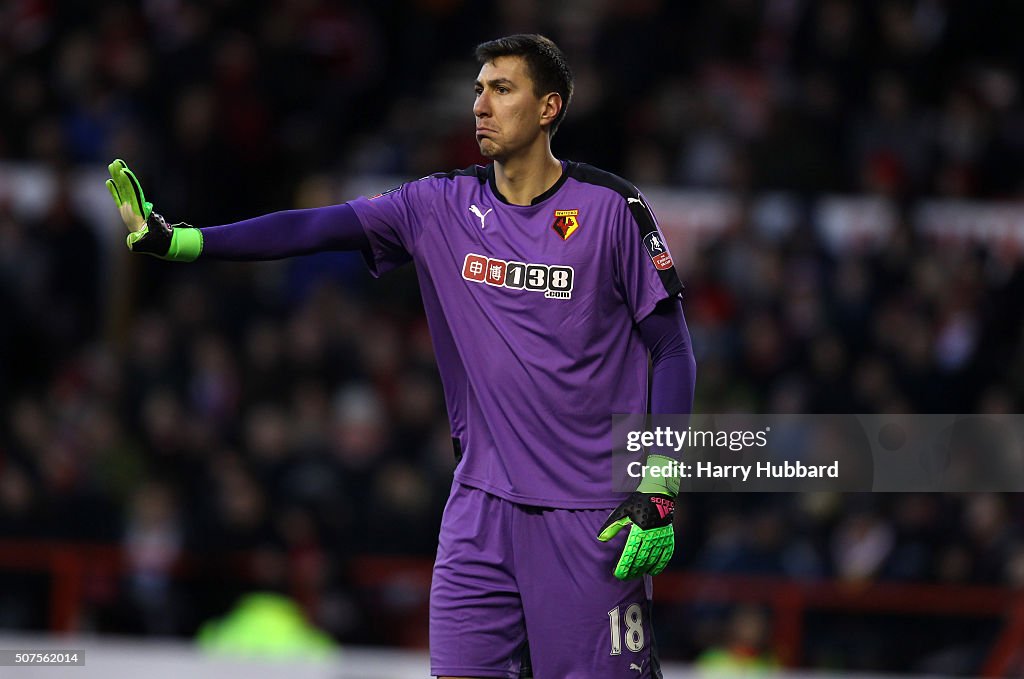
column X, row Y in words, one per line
column 801, row 155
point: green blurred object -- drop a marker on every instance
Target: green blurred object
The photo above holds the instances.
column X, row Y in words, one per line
column 733, row 662
column 265, row 625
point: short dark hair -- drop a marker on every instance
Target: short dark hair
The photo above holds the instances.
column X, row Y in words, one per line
column 547, row 66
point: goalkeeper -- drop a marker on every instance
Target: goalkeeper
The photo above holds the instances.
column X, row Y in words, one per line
column 547, row 286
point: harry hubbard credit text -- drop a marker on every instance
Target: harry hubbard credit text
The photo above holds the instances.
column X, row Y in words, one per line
column 668, row 439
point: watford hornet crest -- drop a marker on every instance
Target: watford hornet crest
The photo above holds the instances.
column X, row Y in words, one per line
column 566, row 223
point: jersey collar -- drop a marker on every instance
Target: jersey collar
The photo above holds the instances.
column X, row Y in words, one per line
column 566, row 168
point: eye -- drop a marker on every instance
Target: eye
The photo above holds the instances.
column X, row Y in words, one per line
column 501, row 89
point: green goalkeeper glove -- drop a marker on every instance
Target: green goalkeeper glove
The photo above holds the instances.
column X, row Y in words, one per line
column 148, row 232
column 648, row 512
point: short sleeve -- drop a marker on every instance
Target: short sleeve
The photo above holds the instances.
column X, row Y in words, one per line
column 389, row 220
column 646, row 272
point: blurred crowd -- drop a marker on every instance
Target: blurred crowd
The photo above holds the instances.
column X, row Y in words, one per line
column 293, row 409
column 240, row 99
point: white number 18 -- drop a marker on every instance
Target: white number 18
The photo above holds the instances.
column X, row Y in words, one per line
column 634, row 629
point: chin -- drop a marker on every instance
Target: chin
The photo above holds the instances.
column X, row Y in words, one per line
column 488, row 149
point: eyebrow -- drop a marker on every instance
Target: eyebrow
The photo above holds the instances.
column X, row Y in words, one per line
column 495, row 82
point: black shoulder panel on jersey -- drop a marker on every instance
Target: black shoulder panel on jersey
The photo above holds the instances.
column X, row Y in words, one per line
column 642, row 214
column 478, row 171
column 598, row 177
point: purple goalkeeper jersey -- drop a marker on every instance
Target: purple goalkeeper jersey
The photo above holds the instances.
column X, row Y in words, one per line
column 533, row 312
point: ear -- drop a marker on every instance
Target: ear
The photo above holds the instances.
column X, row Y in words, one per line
column 551, row 106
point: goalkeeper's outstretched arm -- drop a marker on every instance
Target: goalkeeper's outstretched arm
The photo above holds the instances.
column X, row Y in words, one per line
column 272, row 236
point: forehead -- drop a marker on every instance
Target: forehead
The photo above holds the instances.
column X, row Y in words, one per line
column 511, row 68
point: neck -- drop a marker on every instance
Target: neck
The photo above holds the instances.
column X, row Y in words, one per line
column 524, row 177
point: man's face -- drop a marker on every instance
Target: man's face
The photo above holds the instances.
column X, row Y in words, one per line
column 508, row 113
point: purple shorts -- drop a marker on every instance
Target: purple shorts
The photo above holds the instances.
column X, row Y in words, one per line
column 510, row 575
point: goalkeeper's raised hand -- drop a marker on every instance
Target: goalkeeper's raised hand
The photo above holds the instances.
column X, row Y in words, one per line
column 648, row 514
column 148, row 232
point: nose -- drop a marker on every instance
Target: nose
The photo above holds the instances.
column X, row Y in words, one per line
column 481, row 106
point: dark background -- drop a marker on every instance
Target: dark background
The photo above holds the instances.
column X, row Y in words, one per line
column 293, row 409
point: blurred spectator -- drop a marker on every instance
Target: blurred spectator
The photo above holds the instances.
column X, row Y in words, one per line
column 745, row 649
column 153, row 541
column 861, row 545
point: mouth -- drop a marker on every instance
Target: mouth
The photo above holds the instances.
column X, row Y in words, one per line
column 482, row 132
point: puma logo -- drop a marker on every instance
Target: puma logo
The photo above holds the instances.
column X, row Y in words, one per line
column 475, row 210
column 638, row 668
column 636, row 200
